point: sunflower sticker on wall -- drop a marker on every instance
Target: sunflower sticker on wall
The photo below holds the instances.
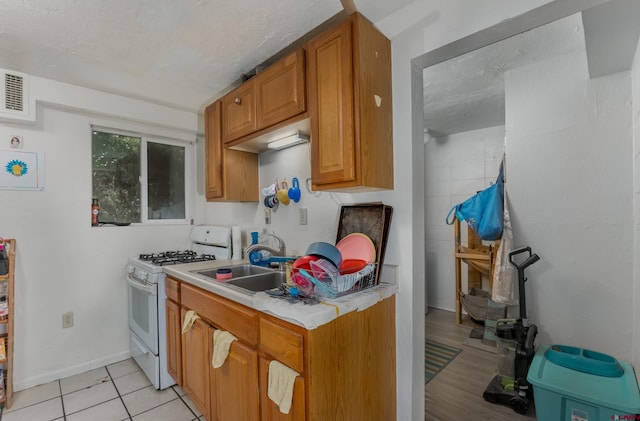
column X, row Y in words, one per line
column 21, row 170
column 17, row 168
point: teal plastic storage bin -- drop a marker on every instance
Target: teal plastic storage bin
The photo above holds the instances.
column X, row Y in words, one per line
column 563, row 393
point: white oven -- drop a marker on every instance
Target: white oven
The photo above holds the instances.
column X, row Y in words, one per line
column 146, row 291
column 143, row 309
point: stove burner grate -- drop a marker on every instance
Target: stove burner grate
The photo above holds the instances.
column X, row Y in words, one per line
column 175, row 257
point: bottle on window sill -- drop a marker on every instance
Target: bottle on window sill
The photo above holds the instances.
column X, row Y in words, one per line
column 95, row 213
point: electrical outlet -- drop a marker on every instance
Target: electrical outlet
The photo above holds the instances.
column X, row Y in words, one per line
column 67, row 320
column 303, row 216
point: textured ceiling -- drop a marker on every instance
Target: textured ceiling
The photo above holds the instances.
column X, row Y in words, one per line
column 467, row 93
column 180, row 53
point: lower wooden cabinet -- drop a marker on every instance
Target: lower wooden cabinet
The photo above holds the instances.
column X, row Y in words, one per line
column 346, row 367
column 269, row 411
column 195, row 364
column 234, row 394
column 174, row 352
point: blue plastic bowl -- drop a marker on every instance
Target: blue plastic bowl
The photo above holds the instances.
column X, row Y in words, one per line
column 326, row 251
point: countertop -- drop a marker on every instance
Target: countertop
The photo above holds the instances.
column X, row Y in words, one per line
column 307, row 316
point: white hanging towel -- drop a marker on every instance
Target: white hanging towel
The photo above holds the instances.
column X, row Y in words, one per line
column 504, row 290
column 189, row 318
column 221, row 344
column 280, row 389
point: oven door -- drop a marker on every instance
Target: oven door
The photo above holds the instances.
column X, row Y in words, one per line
column 143, row 311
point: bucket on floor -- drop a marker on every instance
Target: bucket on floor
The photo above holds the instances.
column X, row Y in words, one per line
column 574, row 388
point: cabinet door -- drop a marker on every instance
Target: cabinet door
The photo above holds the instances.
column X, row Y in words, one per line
column 230, row 175
column 235, row 385
column 331, row 106
column 269, row 411
column 195, row 364
column 239, row 112
column 174, row 354
column 213, row 151
column 281, row 90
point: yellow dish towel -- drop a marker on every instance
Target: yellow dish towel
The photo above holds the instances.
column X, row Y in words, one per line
column 221, row 344
column 189, row 318
column 281, row 380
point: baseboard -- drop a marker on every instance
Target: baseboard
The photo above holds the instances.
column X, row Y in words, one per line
column 70, row 371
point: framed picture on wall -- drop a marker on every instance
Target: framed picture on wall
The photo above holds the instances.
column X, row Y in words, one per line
column 20, row 170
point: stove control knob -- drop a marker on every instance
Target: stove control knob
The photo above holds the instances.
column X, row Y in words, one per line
column 143, row 275
column 131, row 269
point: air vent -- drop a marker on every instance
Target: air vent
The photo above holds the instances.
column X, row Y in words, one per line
column 14, row 92
column 15, row 102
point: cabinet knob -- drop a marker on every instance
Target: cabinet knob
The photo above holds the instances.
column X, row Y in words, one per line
column 238, row 100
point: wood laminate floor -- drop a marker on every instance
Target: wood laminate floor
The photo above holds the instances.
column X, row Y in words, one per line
column 456, row 392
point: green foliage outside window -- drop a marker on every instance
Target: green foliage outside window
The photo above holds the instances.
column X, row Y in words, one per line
column 116, row 176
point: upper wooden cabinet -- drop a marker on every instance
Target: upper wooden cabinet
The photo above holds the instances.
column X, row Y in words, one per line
column 281, row 90
column 349, row 90
column 230, row 175
column 271, row 97
column 239, row 112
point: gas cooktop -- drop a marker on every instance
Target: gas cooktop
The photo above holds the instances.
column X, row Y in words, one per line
column 175, row 257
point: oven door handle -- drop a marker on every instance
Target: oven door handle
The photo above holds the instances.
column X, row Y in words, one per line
column 141, row 348
column 145, row 287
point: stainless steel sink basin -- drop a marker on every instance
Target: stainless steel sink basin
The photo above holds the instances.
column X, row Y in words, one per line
column 247, row 278
column 259, row 282
column 237, row 271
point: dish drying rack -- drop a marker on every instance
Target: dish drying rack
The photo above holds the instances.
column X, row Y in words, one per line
column 331, row 283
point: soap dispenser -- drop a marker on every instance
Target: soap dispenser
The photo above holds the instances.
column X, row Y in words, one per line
column 254, row 256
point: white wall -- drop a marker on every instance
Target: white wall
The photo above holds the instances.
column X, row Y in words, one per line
column 635, row 121
column 323, row 208
column 456, row 167
column 62, row 263
column 569, row 152
column 417, row 29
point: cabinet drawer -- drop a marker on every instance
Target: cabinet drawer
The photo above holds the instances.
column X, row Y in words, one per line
column 172, row 288
column 223, row 314
column 282, row 343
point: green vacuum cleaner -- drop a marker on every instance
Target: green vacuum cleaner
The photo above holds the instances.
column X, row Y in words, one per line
column 515, row 342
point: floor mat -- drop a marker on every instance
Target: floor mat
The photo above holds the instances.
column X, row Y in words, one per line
column 436, row 357
column 475, row 341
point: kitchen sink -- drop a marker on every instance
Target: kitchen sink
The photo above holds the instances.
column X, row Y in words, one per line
column 247, row 278
column 259, row 282
column 237, row 271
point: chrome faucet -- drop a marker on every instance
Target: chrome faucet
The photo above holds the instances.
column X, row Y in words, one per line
column 280, row 251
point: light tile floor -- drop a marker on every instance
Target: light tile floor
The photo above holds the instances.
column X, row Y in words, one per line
column 117, row 392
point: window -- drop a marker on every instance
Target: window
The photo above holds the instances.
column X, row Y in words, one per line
column 139, row 179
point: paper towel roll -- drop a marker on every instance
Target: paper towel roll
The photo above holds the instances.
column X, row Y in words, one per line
column 236, row 242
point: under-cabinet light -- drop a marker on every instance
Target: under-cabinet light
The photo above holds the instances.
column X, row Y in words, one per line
column 285, row 142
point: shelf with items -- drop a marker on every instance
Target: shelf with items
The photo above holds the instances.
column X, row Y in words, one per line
column 6, row 321
column 480, row 259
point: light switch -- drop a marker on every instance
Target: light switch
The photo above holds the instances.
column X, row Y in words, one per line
column 303, row 216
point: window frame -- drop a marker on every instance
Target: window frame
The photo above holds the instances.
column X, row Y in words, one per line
column 145, row 138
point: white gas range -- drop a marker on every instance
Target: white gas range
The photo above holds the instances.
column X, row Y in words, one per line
column 147, row 311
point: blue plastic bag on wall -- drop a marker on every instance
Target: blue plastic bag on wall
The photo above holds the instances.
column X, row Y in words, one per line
column 483, row 211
